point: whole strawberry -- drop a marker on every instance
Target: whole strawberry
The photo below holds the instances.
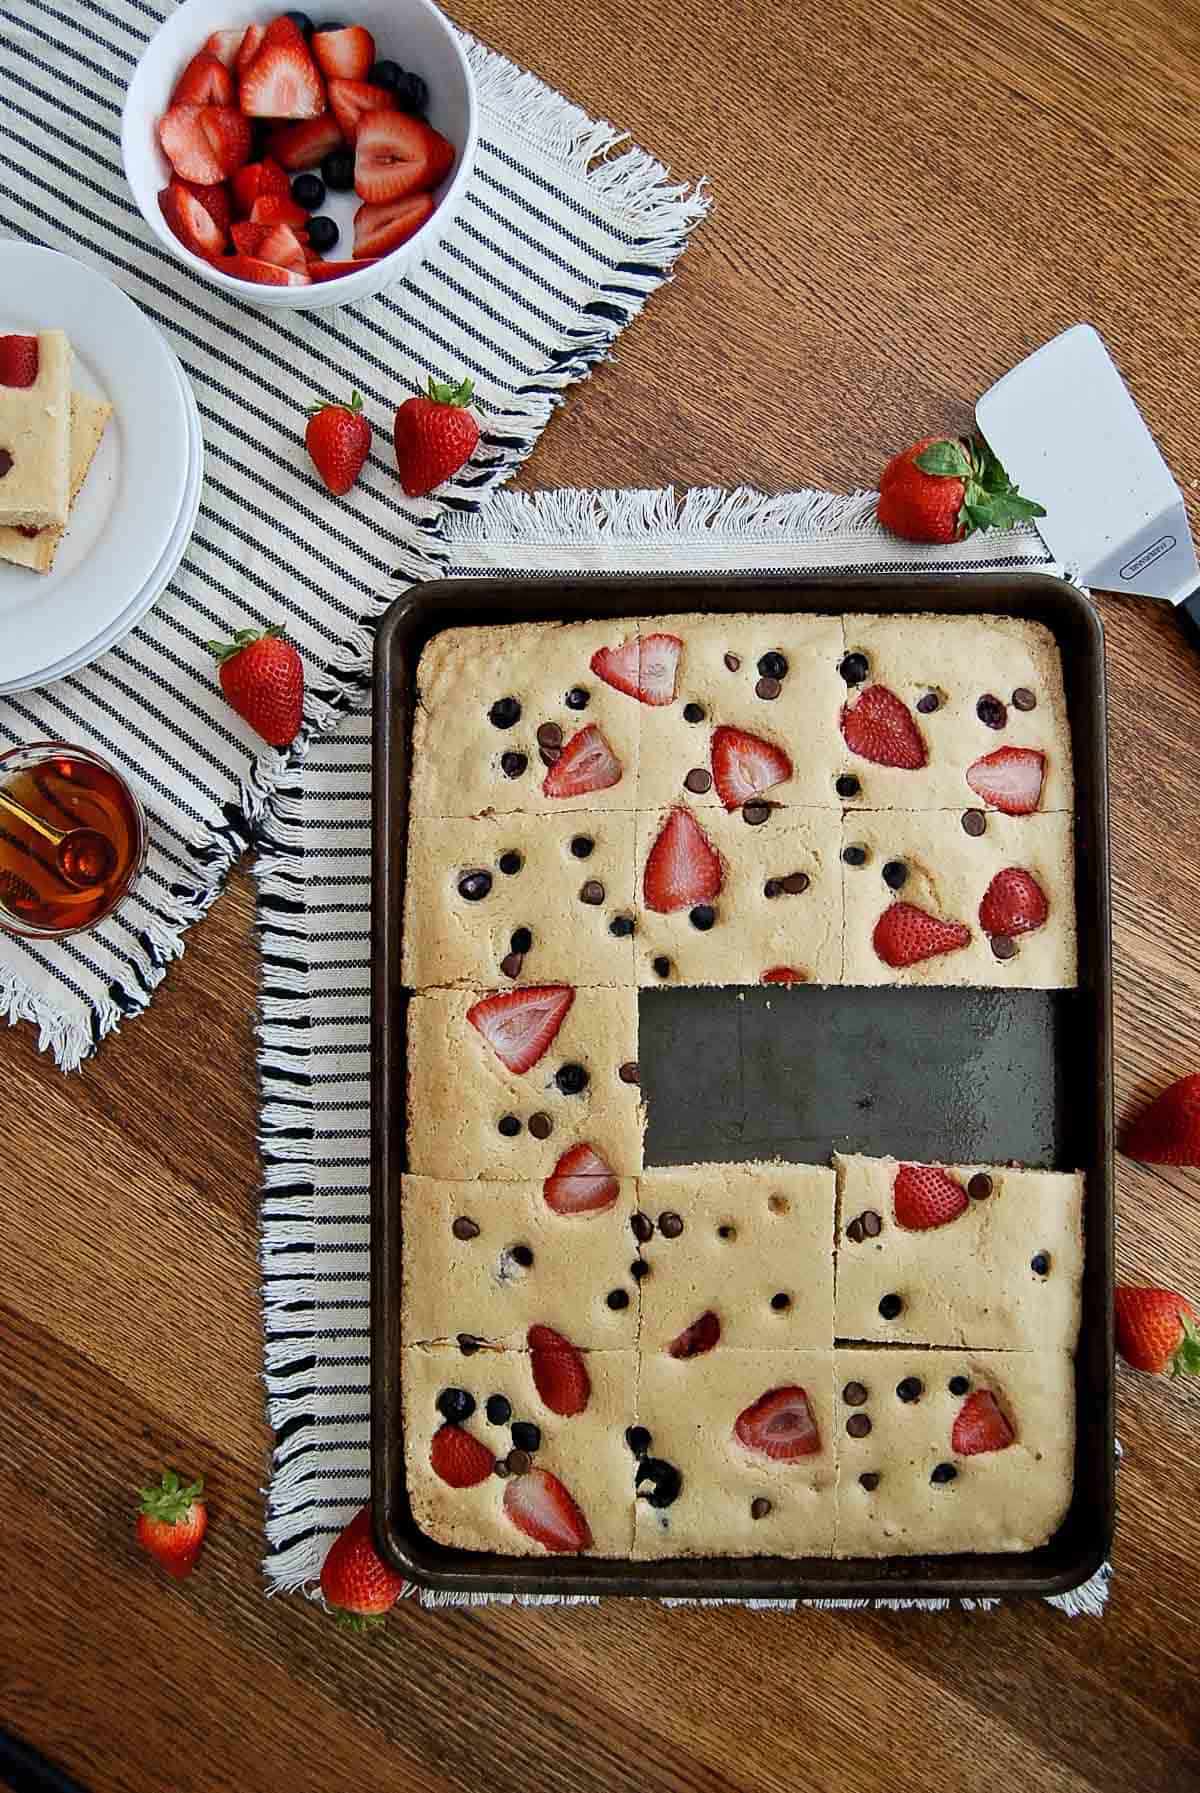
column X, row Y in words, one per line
column 434, row 436
column 941, row 490
column 172, row 1521
column 262, row 675
column 338, row 439
column 1168, row 1132
column 355, row 1580
column 1156, row 1331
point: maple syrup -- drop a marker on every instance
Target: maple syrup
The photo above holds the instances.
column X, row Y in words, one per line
column 68, row 787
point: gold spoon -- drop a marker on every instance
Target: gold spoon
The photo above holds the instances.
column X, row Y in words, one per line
column 83, row 856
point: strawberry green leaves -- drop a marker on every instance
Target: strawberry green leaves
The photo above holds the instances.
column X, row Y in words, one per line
column 990, row 499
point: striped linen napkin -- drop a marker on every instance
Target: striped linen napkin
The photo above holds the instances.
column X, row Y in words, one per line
column 314, row 927
column 563, row 236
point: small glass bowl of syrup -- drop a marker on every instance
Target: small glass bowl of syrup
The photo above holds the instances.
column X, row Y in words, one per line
column 67, row 787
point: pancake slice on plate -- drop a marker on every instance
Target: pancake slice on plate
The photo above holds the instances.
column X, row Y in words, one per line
column 89, row 417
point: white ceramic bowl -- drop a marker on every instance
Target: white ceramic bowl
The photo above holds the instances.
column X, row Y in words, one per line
column 412, row 32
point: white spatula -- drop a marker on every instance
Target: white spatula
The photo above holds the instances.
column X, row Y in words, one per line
column 1066, row 428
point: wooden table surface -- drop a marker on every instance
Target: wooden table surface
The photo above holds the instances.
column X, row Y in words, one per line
column 902, row 211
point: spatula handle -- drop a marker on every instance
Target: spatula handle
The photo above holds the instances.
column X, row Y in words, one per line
column 1188, row 612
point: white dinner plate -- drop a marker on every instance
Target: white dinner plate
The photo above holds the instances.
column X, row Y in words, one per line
column 126, row 514
column 161, row 577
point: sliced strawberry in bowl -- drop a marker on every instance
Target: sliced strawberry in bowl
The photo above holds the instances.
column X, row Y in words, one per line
column 224, row 45
column 274, row 208
column 701, row 1336
column 395, row 155
column 215, row 200
column 305, row 145
column 282, row 246
column 905, row 935
column 559, row 1372
column 204, row 144
column 191, row 221
column 1013, row 903
column 520, row 1025
column 877, row 726
column 352, row 101
column 345, row 54
column 745, row 766
column 281, row 80
column 540, row 1506
column 926, row 1196
column 980, row 1426
column 780, row 1425
column 682, row 867
column 587, row 763
column 261, row 273
column 378, row 229
column 459, row 1459
column 581, row 1183
column 206, row 81
column 248, row 238
column 258, row 180
column 249, row 47
column 1009, row 780
column 320, row 269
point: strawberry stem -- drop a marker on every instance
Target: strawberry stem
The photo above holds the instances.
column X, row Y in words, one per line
column 169, row 1502
column 443, row 394
column 335, row 404
column 227, row 650
column 1186, row 1361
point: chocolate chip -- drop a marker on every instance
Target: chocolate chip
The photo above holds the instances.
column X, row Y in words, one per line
column 869, row 1479
column 945, row 1472
column 760, row 1507
column 500, row 1468
column 1040, row 1264
column 796, row 883
column 540, row 1125
column 621, row 926
column 617, row 1299
column 910, row 1389
column 847, row 785
column 773, row 887
column 670, row 1224
column 854, row 1394
column 456, row 1405
column 693, row 712
column 1003, row 946
column 519, row 1462
column 629, row 1072
column 781, row 1302
column 509, row 1125
column 1023, row 698
column 979, row 1187
column 549, row 735
column 638, row 1269
column 854, row 855
column 577, row 698
column 526, row 1436
column 974, row 822
column 468, row 1344
column 521, row 1254
column 895, row 874
column 890, row 1306
column 474, row 886
column 582, row 845
column 521, row 940
column 591, row 892
column 504, row 713
column 702, row 916
column 513, row 764
column 643, row 1228
column 854, row 668
column 872, row 1226
column 498, row 1409
column 732, row 662
column 511, row 964
column 929, row 703
column 698, row 781
column 958, row 1385
column 571, row 1079
column 773, row 666
column 991, row 712
column 768, row 689
column 726, row 1231
column 638, row 1439
column 854, row 1232
column 662, row 966
column 858, row 1425
column 464, row 1228
column 510, row 863
column 549, row 755
column 755, row 813
column 664, row 1479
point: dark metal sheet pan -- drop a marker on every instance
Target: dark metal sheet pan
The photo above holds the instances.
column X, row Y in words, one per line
column 1041, row 1081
